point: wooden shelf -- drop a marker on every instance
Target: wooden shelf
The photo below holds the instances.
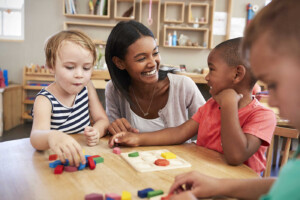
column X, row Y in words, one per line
column 202, row 39
column 84, row 14
column 124, row 6
column 170, row 13
column 202, row 13
column 87, row 16
column 26, row 116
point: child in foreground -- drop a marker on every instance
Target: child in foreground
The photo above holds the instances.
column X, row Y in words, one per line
column 276, row 62
column 231, row 122
column 65, row 106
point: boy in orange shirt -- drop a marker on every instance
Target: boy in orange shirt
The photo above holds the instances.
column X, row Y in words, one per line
column 231, row 122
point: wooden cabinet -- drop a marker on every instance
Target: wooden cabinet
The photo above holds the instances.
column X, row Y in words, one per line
column 193, row 32
column 12, row 106
column 196, row 25
column 34, row 79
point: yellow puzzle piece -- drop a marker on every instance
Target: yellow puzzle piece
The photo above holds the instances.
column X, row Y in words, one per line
column 126, row 195
column 168, row 155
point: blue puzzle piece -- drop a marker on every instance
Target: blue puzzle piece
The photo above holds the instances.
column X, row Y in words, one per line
column 81, row 166
column 143, row 193
column 55, row 163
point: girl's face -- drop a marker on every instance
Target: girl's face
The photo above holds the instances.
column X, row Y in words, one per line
column 142, row 60
column 73, row 68
column 220, row 75
column 282, row 75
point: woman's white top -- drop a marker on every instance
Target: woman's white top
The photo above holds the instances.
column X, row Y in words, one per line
column 146, row 125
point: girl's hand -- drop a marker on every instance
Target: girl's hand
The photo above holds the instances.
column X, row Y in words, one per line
column 198, row 184
column 124, row 138
column 66, row 147
column 121, row 125
column 92, row 136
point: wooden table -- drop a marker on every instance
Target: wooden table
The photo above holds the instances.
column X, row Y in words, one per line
column 25, row 174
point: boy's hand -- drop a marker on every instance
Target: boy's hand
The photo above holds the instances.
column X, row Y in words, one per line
column 198, row 184
column 66, row 147
column 92, row 136
column 121, row 125
column 227, row 96
column 124, row 138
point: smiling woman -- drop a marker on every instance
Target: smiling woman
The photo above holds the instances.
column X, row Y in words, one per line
column 139, row 98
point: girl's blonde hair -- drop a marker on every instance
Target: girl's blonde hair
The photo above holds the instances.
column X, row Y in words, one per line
column 280, row 21
column 54, row 43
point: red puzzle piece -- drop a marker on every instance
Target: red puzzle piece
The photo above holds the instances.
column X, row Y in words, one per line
column 59, row 169
column 162, row 162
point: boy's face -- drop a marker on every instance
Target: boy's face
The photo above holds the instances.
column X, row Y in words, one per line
column 73, row 67
column 220, row 75
column 281, row 72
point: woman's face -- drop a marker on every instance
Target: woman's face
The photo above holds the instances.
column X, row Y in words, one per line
column 142, row 60
column 281, row 72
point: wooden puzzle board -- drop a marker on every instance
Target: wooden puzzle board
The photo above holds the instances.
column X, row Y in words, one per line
column 145, row 161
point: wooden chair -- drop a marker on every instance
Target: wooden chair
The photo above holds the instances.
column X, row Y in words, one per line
column 287, row 133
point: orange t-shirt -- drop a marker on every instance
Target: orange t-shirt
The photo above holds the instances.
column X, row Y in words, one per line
column 254, row 119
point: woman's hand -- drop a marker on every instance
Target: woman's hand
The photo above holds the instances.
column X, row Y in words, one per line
column 92, row 136
column 66, row 147
column 124, row 138
column 121, row 125
column 198, row 184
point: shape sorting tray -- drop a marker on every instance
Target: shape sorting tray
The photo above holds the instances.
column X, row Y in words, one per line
column 145, row 161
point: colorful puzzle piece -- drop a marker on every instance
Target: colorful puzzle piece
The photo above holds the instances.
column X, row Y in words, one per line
column 71, row 169
column 93, row 196
column 168, row 155
column 53, row 157
column 99, row 160
column 117, row 150
column 112, row 196
column 126, row 195
column 162, row 162
column 133, row 154
column 145, row 161
column 91, row 162
column 59, row 169
column 143, row 193
column 154, row 193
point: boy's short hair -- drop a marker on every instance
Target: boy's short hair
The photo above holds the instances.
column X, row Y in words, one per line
column 230, row 51
column 53, row 45
column 277, row 20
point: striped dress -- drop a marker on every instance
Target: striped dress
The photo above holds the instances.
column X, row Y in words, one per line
column 69, row 119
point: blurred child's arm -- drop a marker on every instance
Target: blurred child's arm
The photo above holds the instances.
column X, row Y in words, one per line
column 97, row 112
column 237, row 145
column 42, row 138
column 203, row 186
column 168, row 136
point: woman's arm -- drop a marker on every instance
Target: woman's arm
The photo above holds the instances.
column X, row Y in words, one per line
column 168, row 136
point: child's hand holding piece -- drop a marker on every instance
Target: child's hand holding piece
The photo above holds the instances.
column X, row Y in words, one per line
column 198, row 184
column 66, row 147
column 92, row 135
